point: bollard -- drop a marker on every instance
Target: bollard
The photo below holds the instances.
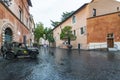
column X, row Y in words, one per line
column 78, row 46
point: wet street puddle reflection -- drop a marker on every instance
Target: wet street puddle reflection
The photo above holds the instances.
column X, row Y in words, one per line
column 91, row 65
column 61, row 64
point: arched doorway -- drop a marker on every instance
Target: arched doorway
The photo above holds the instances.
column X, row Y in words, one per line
column 8, row 35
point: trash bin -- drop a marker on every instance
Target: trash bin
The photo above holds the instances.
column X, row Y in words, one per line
column 78, row 46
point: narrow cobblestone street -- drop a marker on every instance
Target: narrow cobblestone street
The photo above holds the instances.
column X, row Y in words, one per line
column 60, row 64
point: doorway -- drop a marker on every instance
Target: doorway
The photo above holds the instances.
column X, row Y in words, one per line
column 110, row 40
column 8, row 35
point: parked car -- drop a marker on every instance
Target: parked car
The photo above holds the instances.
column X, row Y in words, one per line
column 15, row 49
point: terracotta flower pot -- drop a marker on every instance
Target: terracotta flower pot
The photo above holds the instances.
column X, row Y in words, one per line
column 69, row 46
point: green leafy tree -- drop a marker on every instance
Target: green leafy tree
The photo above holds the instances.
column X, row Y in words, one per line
column 54, row 23
column 45, row 33
column 39, row 31
column 65, row 15
column 48, row 35
column 66, row 34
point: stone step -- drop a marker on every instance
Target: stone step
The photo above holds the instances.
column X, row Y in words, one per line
column 112, row 49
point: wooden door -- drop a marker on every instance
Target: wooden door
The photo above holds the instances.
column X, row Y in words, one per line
column 110, row 42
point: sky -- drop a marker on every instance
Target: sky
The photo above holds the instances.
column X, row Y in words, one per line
column 46, row 10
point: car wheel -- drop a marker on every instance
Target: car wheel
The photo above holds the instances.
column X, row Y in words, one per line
column 9, row 55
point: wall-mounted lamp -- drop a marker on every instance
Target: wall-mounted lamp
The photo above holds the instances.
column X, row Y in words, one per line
column 19, row 33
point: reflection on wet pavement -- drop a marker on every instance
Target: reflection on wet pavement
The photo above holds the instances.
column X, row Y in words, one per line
column 89, row 65
column 61, row 64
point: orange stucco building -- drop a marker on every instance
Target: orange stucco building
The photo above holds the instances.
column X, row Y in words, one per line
column 104, row 29
column 16, row 22
column 96, row 25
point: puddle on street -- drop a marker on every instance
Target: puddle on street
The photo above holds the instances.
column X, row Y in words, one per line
column 91, row 65
column 61, row 64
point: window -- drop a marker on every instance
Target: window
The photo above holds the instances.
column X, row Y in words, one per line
column 55, row 38
column 117, row 8
column 110, row 35
column 73, row 19
column 74, row 32
column 82, row 30
column 94, row 12
column 27, row 22
column 24, row 39
column 20, row 14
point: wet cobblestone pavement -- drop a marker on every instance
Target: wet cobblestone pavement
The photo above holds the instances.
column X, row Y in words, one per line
column 60, row 64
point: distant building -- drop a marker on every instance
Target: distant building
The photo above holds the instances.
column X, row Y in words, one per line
column 96, row 25
column 32, row 27
column 16, row 23
column 42, row 41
